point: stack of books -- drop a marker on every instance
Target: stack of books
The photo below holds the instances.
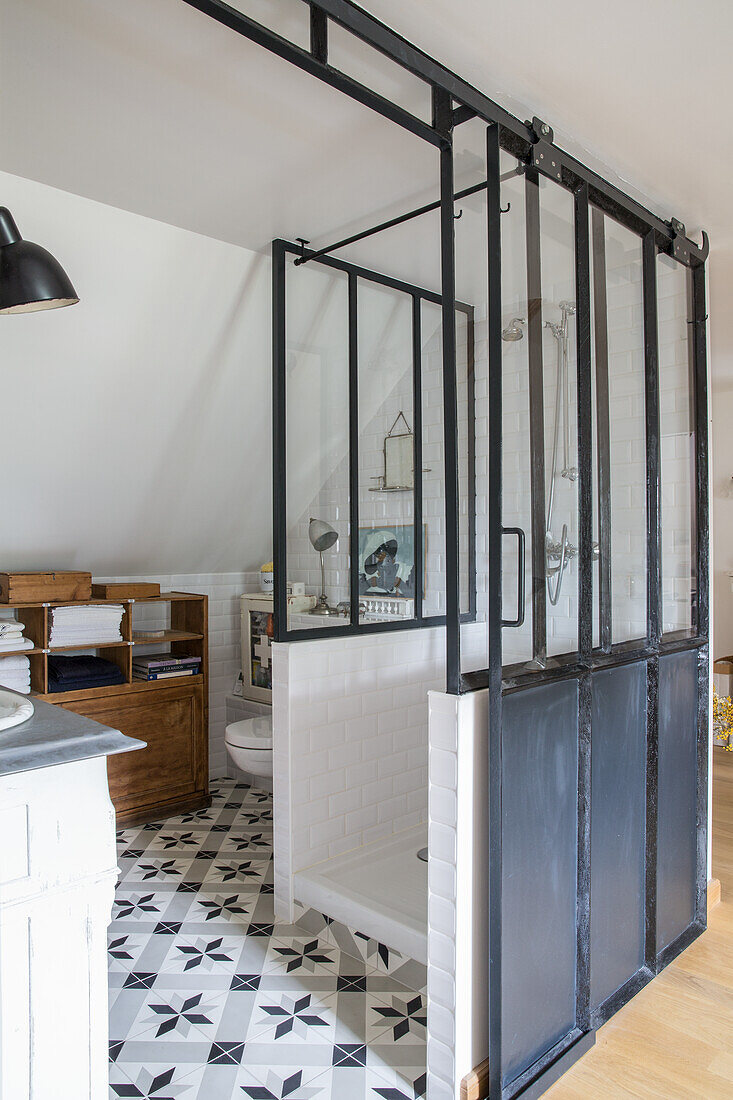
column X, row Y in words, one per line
column 161, row 666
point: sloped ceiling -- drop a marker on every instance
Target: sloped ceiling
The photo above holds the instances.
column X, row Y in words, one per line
column 154, row 108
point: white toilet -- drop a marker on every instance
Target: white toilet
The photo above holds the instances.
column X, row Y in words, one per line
column 249, row 744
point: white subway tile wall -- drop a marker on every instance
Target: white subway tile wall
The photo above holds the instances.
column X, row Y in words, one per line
column 223, row 590
column 457, row 890
column 350, row 743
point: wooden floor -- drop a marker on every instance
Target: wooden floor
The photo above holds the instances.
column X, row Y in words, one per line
column 674, row 1040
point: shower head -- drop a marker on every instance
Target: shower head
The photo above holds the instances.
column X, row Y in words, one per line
column 568, row 308
column 513, row 331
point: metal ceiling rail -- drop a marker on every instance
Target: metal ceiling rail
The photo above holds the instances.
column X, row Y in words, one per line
column 531, row 142
column 313, row 63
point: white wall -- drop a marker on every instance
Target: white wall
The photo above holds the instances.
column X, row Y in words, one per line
column 137, row 423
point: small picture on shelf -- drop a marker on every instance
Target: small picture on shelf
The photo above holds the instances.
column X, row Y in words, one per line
column 387, row 560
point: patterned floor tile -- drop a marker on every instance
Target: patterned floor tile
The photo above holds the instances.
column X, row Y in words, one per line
column 211, row 998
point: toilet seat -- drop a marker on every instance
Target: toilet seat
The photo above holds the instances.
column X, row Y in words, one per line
column 250, row 733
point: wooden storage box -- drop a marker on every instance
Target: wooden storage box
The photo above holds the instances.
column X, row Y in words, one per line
column 44, row 587
column 123, row 590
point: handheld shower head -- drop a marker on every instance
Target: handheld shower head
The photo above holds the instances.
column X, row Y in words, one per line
column 514, row 330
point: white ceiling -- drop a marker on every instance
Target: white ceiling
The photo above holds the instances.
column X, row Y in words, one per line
column 154, row 108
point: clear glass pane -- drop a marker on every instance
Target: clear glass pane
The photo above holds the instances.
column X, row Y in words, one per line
column 540, row 450
column 317, row 433
column 619, row 457
column 557, row 243
column 386, row 448
column 517, row 500
column 677, row 473
column 472, row 378
column 433, row 476
column 465, row 382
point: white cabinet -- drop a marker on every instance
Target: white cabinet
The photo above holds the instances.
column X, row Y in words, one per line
column 57, row 879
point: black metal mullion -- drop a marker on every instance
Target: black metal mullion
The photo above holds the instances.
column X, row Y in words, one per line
column 417, row 459
column 353, row 308
column 319, row 34
column 442, row 115
column 536, row 415
column 279, row 443
column 603, row 430
column 494, row 548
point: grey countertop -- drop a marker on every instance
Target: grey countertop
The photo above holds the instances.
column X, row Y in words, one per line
column 57, row 736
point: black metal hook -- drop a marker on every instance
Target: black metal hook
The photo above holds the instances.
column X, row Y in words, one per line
column 506, row 210
column 458, row 215
column 302, row 258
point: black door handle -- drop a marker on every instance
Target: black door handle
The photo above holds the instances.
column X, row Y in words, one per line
column 519, row 621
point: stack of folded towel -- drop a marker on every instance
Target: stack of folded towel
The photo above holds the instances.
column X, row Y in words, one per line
column 11, row 636
column 78, row 673
column 86, row 624
column 15, row 673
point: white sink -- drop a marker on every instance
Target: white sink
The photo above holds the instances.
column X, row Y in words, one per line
column 14, row 708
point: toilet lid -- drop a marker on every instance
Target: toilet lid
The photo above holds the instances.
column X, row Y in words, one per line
column 250, row 733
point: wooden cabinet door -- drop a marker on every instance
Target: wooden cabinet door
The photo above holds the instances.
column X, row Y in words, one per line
column 172, row 766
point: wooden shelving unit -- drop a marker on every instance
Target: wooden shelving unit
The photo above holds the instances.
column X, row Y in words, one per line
column 171, row 775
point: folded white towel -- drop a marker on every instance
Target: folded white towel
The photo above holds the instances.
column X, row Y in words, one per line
column 89, row 634
column 88, row 609
column 86, row 624
column 23, row 689
column 15, row 673
column 10, row 626
column 11, row 663
column 15, row 643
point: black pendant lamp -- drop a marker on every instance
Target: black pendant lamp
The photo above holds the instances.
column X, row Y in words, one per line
column 30, row 277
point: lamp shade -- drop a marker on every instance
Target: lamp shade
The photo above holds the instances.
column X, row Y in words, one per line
column 322, row 535
column 30, row 277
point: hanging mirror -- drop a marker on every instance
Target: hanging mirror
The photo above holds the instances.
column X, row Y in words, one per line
column 399, row 460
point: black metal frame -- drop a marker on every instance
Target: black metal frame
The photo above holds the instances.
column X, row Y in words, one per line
column 454, row 102
column 280, row 251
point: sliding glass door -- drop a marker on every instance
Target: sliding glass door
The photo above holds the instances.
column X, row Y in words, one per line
column 597, row 496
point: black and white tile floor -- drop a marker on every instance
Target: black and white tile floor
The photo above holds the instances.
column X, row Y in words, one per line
column 211, row 998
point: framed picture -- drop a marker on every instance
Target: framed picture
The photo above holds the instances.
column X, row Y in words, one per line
column 387, row 560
